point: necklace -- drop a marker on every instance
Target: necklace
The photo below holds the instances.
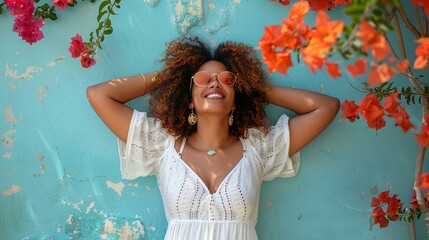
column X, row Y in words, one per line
column 212, row 151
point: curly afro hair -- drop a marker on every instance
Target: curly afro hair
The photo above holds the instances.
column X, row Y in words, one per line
column 171, row 97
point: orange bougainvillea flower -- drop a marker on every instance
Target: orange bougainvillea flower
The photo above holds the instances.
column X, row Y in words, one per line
column 384, row 197
column 402, row 65
column 393, row 208
column 374, row 40
column 423, row 137
column 422, row 52
column 424, row 4
column 323, row 36
column 394, row 109
column 358, row 68
column 327, row 31
column 423, row 181
column 372, row 111
column 380, row 217
column 298, row 11
column 283, row 62
column 403, row 120
column 391, row 104
column 333, row 70
column 349, row 110
column 314, row 62
column 317, row 5
column 380, row 74
column 276, row 61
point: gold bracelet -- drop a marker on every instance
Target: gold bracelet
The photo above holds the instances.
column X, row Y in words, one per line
column 144, row 82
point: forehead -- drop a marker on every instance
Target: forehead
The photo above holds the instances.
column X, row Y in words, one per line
column 212, row 67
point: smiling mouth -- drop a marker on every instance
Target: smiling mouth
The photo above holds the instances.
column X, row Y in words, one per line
column 214, row 96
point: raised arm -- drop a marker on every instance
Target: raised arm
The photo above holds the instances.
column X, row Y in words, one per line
column 315, row 112
column 108, row 98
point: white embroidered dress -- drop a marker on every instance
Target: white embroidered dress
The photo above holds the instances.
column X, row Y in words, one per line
column 191, row 211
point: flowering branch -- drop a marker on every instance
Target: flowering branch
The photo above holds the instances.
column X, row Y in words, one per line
column 365, row 36
column 86, row 50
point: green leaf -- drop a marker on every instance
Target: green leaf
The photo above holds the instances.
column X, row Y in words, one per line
column 103, row 5
column 355, row 10
column 108, row 31
column 100, row 15
column 111, row 11
column 53, row 16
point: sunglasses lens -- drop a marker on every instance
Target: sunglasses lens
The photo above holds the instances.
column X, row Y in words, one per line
column 226, row 78
column 202, row 78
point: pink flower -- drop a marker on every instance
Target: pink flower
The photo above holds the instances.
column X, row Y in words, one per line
column 19, row 7
column 86, row 60
column 77, row 46
column 62, row 4
column 28, row 28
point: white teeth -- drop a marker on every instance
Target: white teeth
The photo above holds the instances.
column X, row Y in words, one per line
column 214, row 95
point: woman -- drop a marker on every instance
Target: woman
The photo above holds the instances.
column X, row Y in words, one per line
column 209, row 142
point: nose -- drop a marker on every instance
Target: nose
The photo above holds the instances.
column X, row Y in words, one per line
column 216, row 82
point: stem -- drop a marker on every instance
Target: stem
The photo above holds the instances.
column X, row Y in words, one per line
column 412, row 230
column 425, row 25
column 353, row 33
column 402, row 49
column 416, row 8
column 419, row 165
column 408, row 23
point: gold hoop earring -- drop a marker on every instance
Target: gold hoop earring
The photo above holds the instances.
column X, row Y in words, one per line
column 192, row 118
column 231, row 118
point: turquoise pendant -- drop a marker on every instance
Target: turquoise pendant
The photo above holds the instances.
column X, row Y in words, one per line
column 211, row 152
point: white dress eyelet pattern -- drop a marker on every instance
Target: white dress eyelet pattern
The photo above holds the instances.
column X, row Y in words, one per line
column 191, row 210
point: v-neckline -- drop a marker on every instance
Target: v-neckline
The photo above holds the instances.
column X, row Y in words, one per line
column 198, row 176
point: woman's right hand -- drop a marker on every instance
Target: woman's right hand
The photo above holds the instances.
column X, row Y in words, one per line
column 108, row 98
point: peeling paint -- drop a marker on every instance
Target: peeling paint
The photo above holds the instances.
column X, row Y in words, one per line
column 269, row 204
column 147, row 188
column 187, row 14
column 108, row 229
column 7, row 155
column 151, row 3
column 75, row 205
column 7, row 139
column 90, row 206
column 117, row 187
column 25, row 75
column 42, row 93
column 211, row 6
column 13, row 190
column 222, row 17
column 55, row 62
column 135, row 185
column 70, row 219
column 9, row 115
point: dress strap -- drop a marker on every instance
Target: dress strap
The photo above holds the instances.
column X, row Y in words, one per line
column 182, row 146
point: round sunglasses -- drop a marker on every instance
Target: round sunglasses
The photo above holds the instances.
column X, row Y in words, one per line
column 203, row 78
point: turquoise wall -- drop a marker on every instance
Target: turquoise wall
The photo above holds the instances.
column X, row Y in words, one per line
column 59, row 166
